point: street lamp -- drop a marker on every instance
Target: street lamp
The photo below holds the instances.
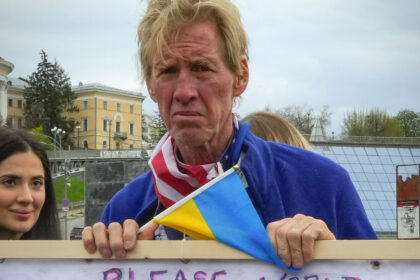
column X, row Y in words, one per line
column 60, row 132
column 54, row 130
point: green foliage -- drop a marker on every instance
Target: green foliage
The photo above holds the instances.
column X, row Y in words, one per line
column 76, row 191
column 47, row 96
column 354, row 123
column 158, row 127
column 40, row 135
column 393, row 128
column 374, row 122
column 410, row 123
column 303, row 118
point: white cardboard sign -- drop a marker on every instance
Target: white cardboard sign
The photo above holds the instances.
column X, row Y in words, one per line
column 66, row 269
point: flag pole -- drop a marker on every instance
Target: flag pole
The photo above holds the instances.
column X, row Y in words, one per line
column 188, row 197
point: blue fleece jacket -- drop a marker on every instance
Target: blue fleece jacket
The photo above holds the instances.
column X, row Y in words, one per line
column 282, row 181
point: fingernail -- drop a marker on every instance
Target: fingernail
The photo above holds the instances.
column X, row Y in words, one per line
column 128, row 244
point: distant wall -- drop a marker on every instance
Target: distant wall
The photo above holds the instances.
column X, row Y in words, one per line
column 104, row 179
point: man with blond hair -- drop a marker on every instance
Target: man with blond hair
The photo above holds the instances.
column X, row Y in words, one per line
column 194, row 59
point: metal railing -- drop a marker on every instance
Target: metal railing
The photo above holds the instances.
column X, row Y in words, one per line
column 369, row 140
column 120, row 135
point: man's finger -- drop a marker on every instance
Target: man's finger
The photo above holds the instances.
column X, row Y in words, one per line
column 100, row 234
column 277, row 232
column 295, row 228
column 115, row 235
column 130, row 234
column 318, row 230
column 88, row 240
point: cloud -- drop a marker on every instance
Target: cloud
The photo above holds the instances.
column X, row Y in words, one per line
column 345, row 54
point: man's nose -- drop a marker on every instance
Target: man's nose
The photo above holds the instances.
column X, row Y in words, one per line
column 186, row 89
column 25, row 193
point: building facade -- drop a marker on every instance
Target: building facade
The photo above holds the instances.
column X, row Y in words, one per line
column 5, row 68
column 108, row 118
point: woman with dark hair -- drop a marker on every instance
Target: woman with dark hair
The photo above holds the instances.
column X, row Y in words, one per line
column 28, row 209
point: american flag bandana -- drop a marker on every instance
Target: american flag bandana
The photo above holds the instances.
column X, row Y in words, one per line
column 174, row 180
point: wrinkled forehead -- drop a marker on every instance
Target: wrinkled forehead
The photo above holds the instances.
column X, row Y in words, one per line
column 199, row 41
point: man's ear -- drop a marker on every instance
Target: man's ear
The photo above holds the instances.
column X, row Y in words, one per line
column 152, row 94
column 241, row 80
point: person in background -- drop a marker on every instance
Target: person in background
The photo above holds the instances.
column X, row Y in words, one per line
column 272, row 127
column 28, row 208
column 194, row 58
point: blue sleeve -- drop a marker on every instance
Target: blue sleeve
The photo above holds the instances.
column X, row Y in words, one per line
column 353, row 222
column 285, row 181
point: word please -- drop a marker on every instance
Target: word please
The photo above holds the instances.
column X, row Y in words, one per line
column 118, row 274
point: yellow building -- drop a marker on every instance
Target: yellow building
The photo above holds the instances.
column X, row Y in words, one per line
column 15, row 101
column 108, row 118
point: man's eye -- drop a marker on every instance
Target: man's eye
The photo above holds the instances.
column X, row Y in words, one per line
column 200, row 68
column 169, row 70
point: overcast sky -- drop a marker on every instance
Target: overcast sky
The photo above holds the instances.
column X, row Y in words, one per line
column 357, row 54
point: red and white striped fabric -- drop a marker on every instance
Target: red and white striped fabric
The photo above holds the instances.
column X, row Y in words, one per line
column 173, row 179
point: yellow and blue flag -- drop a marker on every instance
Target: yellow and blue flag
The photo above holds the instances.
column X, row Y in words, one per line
column 222, row 210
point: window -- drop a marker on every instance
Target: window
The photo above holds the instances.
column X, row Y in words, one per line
column 105, row 105
column 131, row 128
column 85, row 124
column 85, row 105
column 19, row 122
column 20, row 104
column 118, row 146
column 105, row 125
column 117, row 126
column 118, row 107
column 131, row 146
column 85, row 145
column 104, row 145
column 10, row 102
column 131, row 109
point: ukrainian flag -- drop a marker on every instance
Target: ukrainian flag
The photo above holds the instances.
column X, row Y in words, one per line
column 222, row 210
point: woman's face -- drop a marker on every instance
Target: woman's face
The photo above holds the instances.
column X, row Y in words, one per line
column 22, row 194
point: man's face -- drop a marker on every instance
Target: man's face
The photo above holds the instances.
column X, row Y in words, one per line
column 194, row 87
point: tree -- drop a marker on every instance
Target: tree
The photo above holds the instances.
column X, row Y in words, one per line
column 409, row 122
column 47, row 96
column 354, row 123
column 374, row 122
column 40, row 135
column 158, row 127
column 303, row 118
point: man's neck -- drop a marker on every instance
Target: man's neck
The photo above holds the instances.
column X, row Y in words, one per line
column 198, row 154
column 203, row 154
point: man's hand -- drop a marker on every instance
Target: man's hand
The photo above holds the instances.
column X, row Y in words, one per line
column 116, row 240
column 294, row 238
